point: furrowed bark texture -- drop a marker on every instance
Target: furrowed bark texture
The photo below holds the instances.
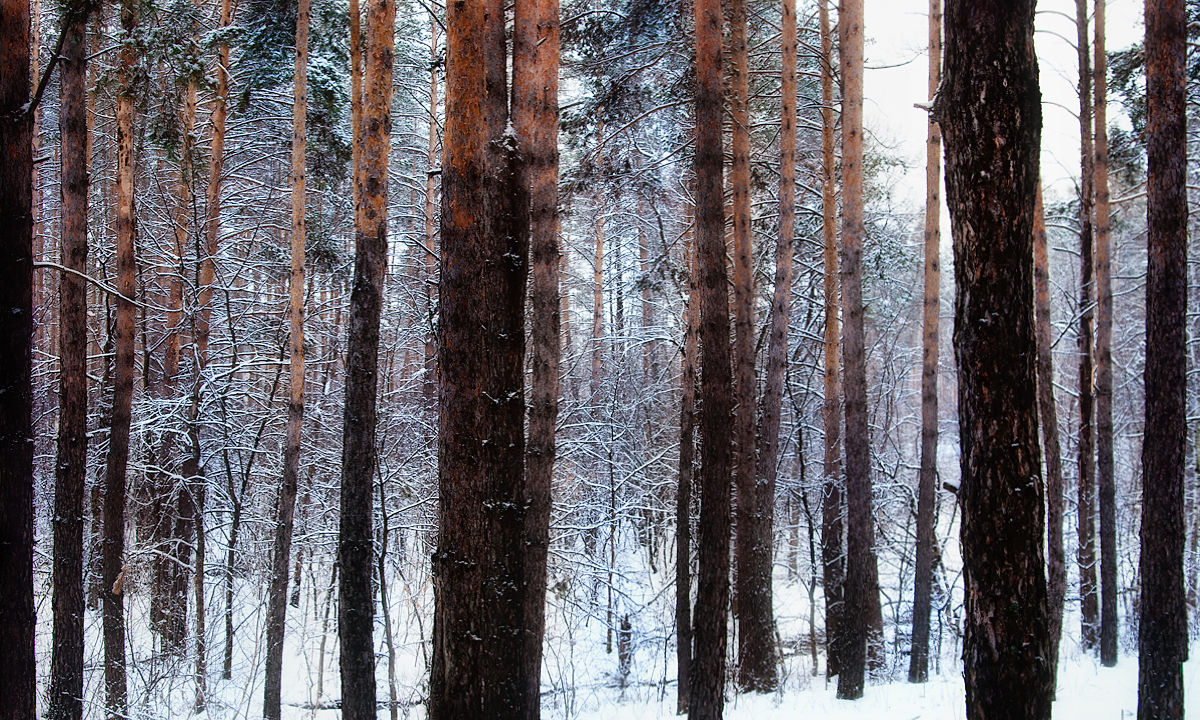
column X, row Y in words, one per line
column 286, row 502
column 1105, row 482
column 756, row 626
column 17, row 614
column 833, row 559
column 535, row 118
column 355, row 532
column 716, row 387
column 1056, row 559
column 918, row 667
column 1162, row 630
column 66, row 663
column 990, row 112
column 861, row 571
column 479, row 566
column 1086, row 514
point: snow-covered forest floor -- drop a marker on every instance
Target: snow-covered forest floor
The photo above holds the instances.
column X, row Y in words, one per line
column 582, row 670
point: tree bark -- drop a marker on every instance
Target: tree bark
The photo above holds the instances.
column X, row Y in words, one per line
column 1086, row 516
column 355, row 542
column 989, row 109
column 1104, row 384
column 918, row 667
column 480, row 638
column 430, row 280
column 1056, row 561
column 66, row 664
column 716, row 389
column 1162, row 630
column 756, row 626
column 535, row 118
column 123, row 344
column 285, row 509
column 833, row 558
column 861, row 573
column 17, row 614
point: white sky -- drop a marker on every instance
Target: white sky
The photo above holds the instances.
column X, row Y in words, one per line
column 897, row 36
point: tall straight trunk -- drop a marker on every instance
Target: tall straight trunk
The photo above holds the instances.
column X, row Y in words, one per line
column 1056, row 560
column 66, row 663
column 480, row 638
column 355, row 543
column 1162, row 629
column 535, row 118
column 861, row 573
column 707, row 699
column 285, row 508
column 989, row 109
column 918, row 666
column 683, row 497
column 17, row 614
column 1086, row 525
column 123, row 342
column 759, row 663
column 356, row 100
column 833, row 559
column 597, row 306
column 756, row 626
column 1104, row 383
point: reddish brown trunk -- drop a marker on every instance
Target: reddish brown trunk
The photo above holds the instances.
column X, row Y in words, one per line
column 716, row 389
column 1162, row 629
column 833, row 560
column 17, row 614
column 918, row 667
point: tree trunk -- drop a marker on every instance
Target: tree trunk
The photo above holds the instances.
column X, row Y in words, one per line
column 989, row 109
column 480, row 638
column 285, row 509
column 1162, row 630
column 123, row 343
column 1104, row 383
column 918, row 667
column 17, row 614
column 430, row 280
column 756, row 626
column 1056, row 561
column 66, row 664
column 833, row 559
column 861, row 574
column 1086, row 525
column 355, row 544
column 535, row 118
column 683, row 498
column 716, row 390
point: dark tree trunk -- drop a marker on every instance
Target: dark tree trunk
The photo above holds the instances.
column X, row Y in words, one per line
column 683, row 498
column 861, row 618
column 17, row 615
column 355, row 542
column 1056, row 560
column 535, row 118
column 286, row 503
column 1104, row 382
column 66, row 664
column 1162, row 631
column 833, row 559
column 1086, row 515
column 480, row 638
column 989, row 109
column 707, row 698
column 918, row 666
